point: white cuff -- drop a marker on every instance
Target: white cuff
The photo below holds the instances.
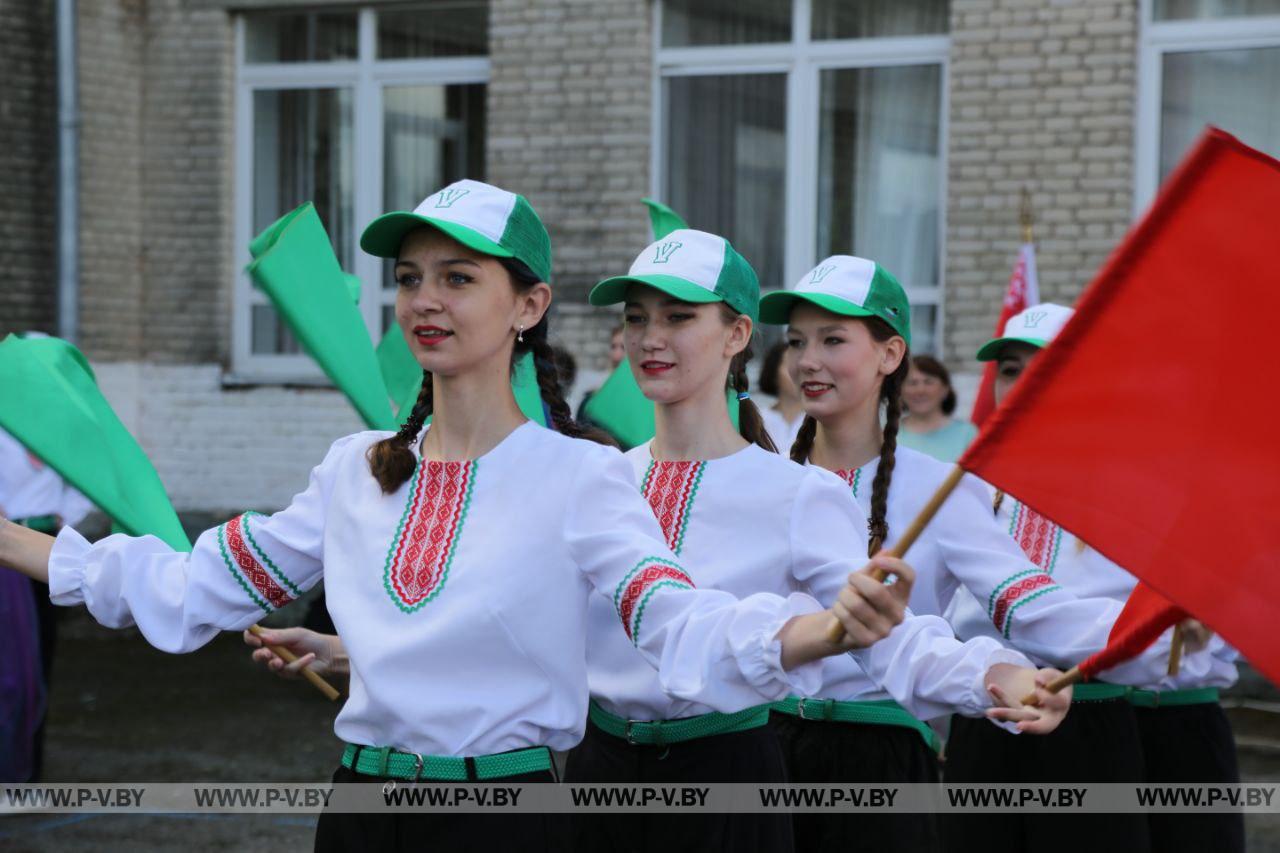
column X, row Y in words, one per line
column 67, row 563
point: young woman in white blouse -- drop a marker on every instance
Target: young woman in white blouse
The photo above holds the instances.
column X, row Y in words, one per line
column 746, row 521
column 459, row 561
column 848, row 322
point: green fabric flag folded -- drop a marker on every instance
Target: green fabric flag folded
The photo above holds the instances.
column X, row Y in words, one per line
column 621, row 408
column 295, row 266
column 663, row 219
column 52, row 405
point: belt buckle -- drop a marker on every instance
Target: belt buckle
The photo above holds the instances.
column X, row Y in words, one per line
column 628, row 736
column 418, row 763
column 800, row 708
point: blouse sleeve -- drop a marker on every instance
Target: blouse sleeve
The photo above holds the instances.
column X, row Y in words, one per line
column 930, row 673
column 1027, row 607
column 707, row 646
column 237, row 572
column 920, row 664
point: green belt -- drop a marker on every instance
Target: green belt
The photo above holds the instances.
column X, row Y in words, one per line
column 1096, row 691
column 43, row 523
column 1170, row 698
column 882, row 712
column 387, row 762
column 663, row 732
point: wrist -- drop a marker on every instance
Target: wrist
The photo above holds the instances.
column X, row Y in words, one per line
column 340, row 664
column 804, row 639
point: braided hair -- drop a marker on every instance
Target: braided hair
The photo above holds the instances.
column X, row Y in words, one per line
column 891, row 399
column 392, row 462
column 750, row 423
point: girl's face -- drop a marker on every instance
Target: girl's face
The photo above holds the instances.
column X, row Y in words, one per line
column 456, row 307
column 679, row 350
column 1013, row 361
column 617, row 349
column 923, row 393
column 836, row 362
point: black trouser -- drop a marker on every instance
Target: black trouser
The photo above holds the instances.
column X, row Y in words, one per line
column 748, row 756
column 858, row 753
column 1096, row 742
column 478, row 832
column 1191, row 743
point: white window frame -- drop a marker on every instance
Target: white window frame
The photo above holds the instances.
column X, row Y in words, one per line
column 366, row 76
column 802, row 60
column 1158, row 38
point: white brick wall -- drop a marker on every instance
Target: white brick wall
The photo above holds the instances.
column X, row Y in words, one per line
column 225, row 450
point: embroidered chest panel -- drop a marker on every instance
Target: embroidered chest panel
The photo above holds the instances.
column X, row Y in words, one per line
column 670, row 488
column 852, row 476
column 426, row 539
column 1038, row 537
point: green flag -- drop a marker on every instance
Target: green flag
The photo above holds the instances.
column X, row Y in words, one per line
column 663, row 219
column 622, row 410
column 52, row 405
column 295, row 266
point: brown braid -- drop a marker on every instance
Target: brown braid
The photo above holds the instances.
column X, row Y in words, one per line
column 803, row 445
column 999, row 499
column 390, row 460
column 750, row 424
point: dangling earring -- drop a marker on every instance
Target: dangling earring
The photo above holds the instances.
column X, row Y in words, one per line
column 520, row 335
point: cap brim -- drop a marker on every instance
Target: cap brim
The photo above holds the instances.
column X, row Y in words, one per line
column 775, row 308
column 990, row 351
column 384, row 235
column 614, row 290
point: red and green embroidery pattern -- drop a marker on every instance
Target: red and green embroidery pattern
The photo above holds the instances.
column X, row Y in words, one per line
column 1038, row 537
column 270, row 590
column 426, row 539
column 852, row 477
column 1014, row 592
column 670, row 488
column 638, row 586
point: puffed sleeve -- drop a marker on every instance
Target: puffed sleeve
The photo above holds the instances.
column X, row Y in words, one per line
column 707, row 645
column 920, row 664
column 236, row 573
column 1026, row 605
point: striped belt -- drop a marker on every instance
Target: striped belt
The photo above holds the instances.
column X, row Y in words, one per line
column 387, row 762
column 663, row 732
column 883, row 712
column 42, row 523
column 1171, row 698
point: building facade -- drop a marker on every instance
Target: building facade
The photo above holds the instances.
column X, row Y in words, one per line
column 902, row 130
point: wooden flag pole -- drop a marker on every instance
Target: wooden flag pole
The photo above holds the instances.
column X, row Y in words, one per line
column 289, row 657
column 1025, row 216
column 1175, row 649
column 836, row 631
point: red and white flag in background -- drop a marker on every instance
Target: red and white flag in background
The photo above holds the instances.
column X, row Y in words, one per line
column 1023, row 292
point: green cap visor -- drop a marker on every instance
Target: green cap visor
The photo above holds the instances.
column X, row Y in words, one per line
column 776, row 308
column 611, row 291
column 990, row 351
column 384, row 235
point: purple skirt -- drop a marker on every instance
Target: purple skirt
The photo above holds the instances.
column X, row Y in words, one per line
column 22, row 699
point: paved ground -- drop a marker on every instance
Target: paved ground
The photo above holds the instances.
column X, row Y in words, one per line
column 121, row 711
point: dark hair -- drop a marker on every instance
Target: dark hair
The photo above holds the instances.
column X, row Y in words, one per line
column 930, row 366
column 891, row 399
column 750, row 424
column 392, row 462
column 769, row 370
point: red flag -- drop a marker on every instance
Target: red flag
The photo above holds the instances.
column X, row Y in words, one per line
column 1144, row 427
column 1145, row 617
column 1023, row 292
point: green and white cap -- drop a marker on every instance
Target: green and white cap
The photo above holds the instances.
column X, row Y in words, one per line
column 1036, row 326
column 692, row 266
column 479, row 216
column 843, row 284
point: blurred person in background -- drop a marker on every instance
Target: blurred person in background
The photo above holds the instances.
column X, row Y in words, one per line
column 782, row 419
column 928, row 401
